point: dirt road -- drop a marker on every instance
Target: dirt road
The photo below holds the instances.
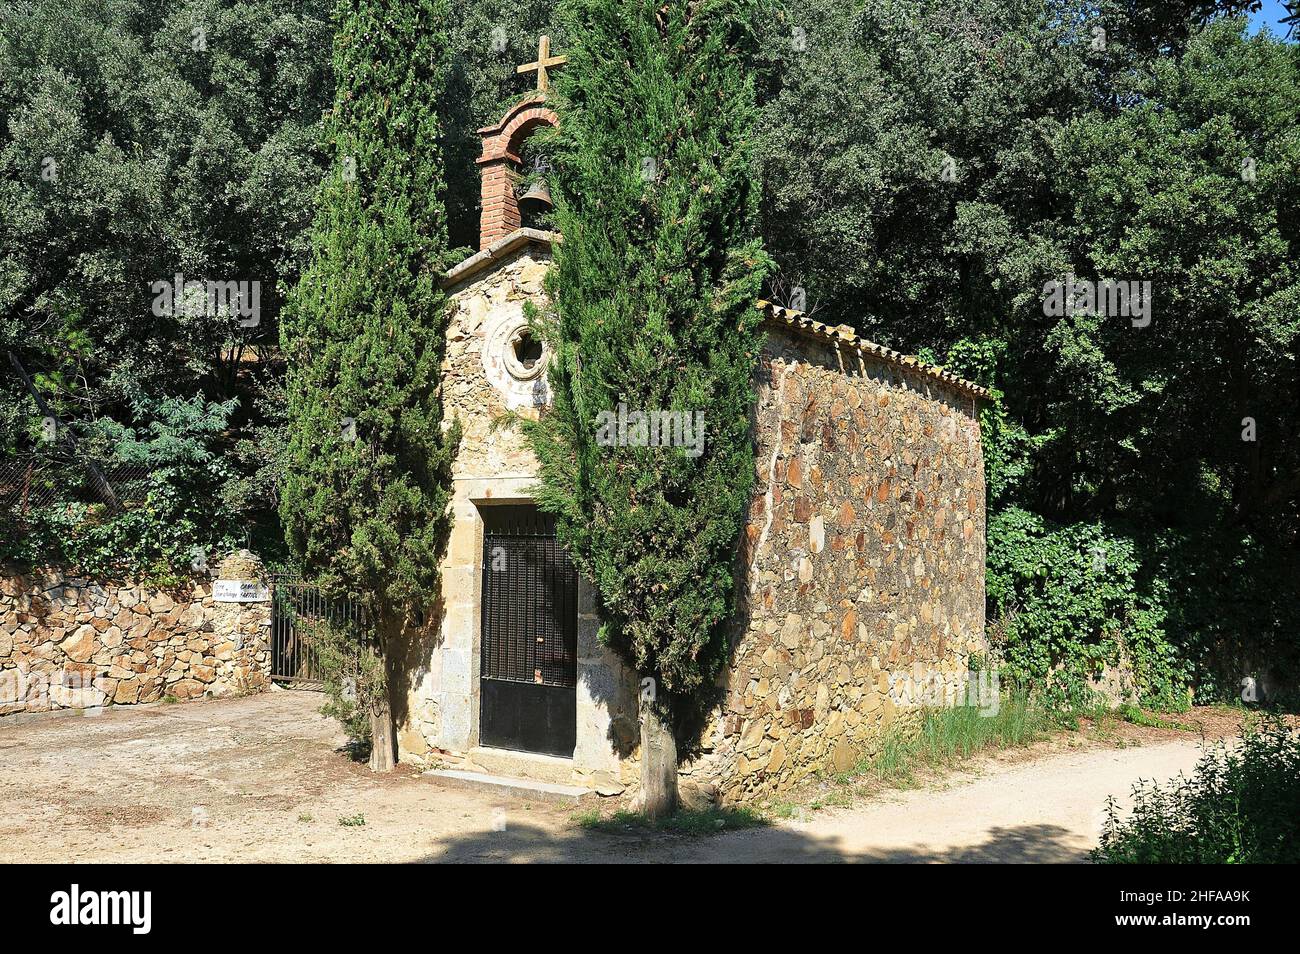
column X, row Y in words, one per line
column 262, row 779
column 1047, row 810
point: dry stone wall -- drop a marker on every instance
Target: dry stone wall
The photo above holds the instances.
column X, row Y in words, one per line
column 862, row 566
column 67, row 642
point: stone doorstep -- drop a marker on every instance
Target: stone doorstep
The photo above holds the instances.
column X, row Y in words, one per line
column 524, row 788
column 527, row 766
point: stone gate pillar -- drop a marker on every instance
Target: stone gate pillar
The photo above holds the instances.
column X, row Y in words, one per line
column 241, row 624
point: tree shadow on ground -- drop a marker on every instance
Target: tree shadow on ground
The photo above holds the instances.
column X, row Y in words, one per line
column 526, row 843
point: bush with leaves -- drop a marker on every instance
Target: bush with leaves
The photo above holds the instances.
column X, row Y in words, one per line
column 169, row 478
column 1241, row 805
column 1069, row 602
column 355, row 683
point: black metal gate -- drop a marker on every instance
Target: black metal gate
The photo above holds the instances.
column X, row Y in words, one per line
column 295, row 606
column 529, row 659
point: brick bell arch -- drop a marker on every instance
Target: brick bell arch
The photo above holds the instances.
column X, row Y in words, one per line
column 500, row 162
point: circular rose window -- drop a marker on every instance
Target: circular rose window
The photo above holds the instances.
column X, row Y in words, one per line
column 525, row 355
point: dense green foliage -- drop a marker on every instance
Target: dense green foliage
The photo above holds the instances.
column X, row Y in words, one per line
column 1074, row 600
column 138, row 139
column 366, row 487
column 1240, row 806
column 928, row 169
column 167, row 518
column 1151, row 424
column 922, row 170
column 653, row 309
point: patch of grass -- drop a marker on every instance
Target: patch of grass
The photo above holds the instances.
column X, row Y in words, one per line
column 1097, row 715
column 713, row 820
column 946, row 736
column 783, row 810
column 1131, row 713
column 304, row 817
column 170, row 699
column 352, row 821
column 839, row 798
column 708, row 821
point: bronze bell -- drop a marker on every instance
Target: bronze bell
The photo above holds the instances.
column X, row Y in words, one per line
column 537, row 199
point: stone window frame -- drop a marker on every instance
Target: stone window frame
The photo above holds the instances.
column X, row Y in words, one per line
column 516, row 368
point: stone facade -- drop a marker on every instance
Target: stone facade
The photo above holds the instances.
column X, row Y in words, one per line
column 862, row 562
column 483, row 383
column 861, row 566
column 71, row 643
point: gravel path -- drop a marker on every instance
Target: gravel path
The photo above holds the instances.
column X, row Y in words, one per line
column 1046, row 810
column 263, row 779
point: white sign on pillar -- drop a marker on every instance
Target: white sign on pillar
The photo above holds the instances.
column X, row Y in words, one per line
column 240, row 591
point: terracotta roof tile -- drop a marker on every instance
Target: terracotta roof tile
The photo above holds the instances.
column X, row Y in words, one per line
column 842, row 335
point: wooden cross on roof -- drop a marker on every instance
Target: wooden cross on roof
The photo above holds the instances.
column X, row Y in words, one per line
column 544, row 59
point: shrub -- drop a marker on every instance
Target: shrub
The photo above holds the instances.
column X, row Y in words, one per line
column 1069, row 600
column 167, row 471
column 353, row 676
column 160, row 539
column 1240, row 806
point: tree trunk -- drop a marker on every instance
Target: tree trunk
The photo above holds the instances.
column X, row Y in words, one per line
column 383, row 734
column 383, row 749
column 658, row 762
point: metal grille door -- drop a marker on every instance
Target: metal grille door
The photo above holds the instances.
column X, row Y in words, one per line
column 529, row 663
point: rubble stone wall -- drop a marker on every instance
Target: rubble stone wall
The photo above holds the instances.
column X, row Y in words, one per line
column 862, row 566
column 67, row 642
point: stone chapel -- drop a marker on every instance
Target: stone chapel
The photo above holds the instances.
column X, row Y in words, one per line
column 860, row 566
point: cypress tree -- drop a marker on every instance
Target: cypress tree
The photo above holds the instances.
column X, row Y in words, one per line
column 653, row 311
column 364, row 501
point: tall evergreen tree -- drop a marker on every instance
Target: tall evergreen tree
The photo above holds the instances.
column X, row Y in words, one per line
column 653, row 310
column 364, row 503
